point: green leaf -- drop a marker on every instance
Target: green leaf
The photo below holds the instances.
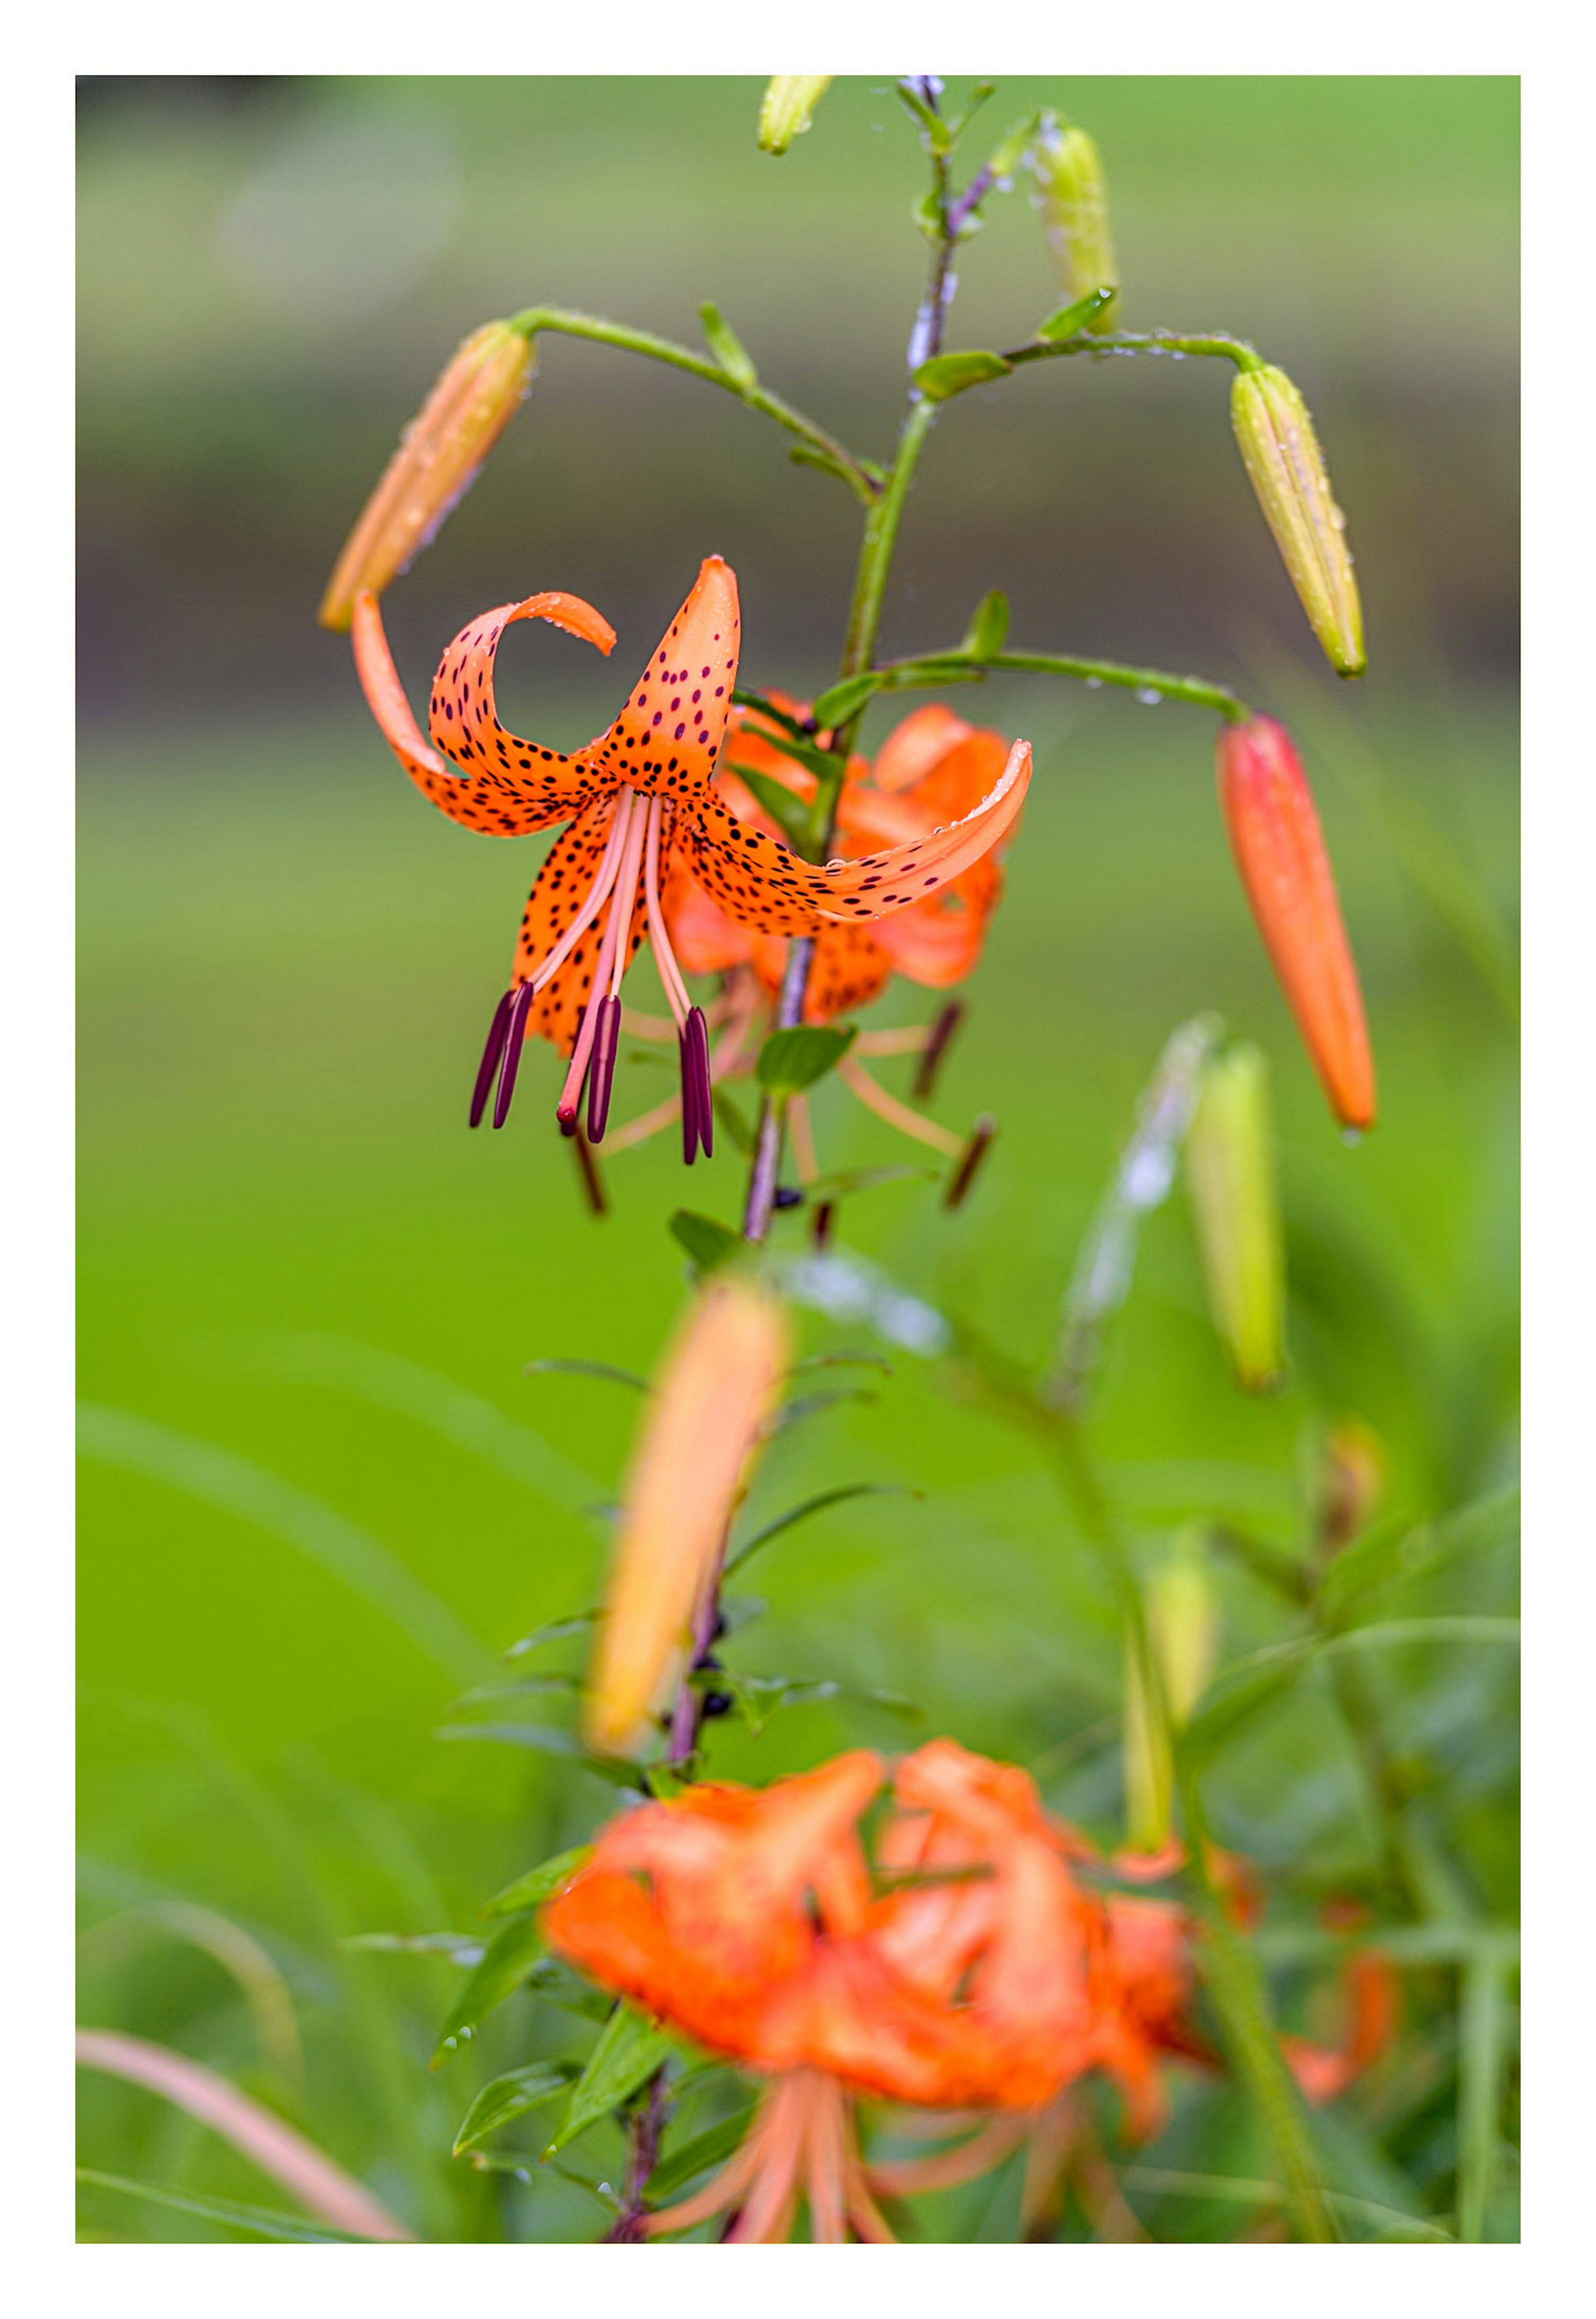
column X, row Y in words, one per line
column 1071, row 321
column 938, row 136
column 557, row 1631
column 604, row 1371
column 1482, row 2058
column 844, row 1360
column 846, row 1181
column 1380, row 1559
column 988, row 625
column 708, row 1242
column 815, row 1404
column 509, row 1958
column 816, row 1505
column 629, row 2049
column 260, row 2222
column 460, row 1948
column 525, row 1686
column 807, row 455
column 540, row 1883
column 710, row 2148
column 511, row 2097
column 845, row 700
column 791, row 1060
column 1239, row 1698
column 790, row 813
column 733, row 1121
column 945, row 375
column 727, row 348
column 542, row 1739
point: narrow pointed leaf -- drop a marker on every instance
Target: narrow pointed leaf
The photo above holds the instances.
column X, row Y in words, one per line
column 1382, row 1558
column 988, row 627
column 540, row 1883
column 790, row 813
column 710, row 2148
column 629, row 2049
column 727, row 348
column 841, row 702
column 1079, row 315
column 846, row 1181
column 791, row 1060
column 708, row 1242
column 945, row 375
column 507, row 1959
column 542, row 1740
column 260, row 2222
column 604, row 1371
column 557, row 1631
column 509, row 2098
column 733, row 1121
column 816, row 1505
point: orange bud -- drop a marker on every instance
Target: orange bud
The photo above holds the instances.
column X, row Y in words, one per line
column 1279, row 850
column 709, row 1408
column 437, row 460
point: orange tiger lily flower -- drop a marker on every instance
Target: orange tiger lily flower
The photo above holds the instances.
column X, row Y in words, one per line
column 639, row 804
column 931, row 770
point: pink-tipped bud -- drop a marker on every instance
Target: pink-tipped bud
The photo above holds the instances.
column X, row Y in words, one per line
column 436, row 461
column 1279, row 850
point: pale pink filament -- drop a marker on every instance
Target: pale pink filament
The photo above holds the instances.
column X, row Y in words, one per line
column 632, row 820
column 595, row 901
column 675, row 989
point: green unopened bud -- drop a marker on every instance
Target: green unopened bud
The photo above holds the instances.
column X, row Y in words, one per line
column 1182, row 1614
column 1075, row 212
column 1229, row 1159
column 788, row 108
column 1149, row 1758
column 1282, row 457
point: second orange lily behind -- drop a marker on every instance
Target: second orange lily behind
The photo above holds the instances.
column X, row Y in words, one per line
column 642, row 813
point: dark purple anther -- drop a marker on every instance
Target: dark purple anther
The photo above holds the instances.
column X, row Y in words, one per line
column 696, row 1061
column 788, row 1196
column 689, row 1098
column 601, row 1069
column 490, row 1062
column 515, row 1030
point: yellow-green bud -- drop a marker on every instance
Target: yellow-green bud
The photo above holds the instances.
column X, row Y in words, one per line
column 1182, row 1614
column 788, row 108
column 1075, row 212
column 1230, row 1160
column 1282, row 457
column 1150, row 1760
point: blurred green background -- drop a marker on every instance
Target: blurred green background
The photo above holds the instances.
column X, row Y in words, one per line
column 322, row 1494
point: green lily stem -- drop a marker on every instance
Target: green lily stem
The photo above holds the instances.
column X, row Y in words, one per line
column 1139, row 342
column 864, row 480
column 1236, row 1988
column 922, row 670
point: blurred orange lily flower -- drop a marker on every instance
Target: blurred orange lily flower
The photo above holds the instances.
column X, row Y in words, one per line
column 931, row 770
column 639, row 804
column 981, row 1976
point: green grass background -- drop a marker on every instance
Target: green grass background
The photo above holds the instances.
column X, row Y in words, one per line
column 293, row 1253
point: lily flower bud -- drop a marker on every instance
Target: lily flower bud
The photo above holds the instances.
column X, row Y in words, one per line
column 1281, row 453
column 705, row 1421
column 1275, row 836
column 436, row 462
column 1351, row 1482
column 1075, row 212
column 1230, row 1160
column 1149, row 1753
column 1183, row 1617
column 788, row 108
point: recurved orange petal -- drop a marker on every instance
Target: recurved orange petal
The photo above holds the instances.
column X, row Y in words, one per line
column 530, row 792
column 766, row 886
column 667, row 738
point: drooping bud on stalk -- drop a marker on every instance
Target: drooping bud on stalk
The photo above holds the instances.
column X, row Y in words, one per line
column 1183, row 1617
column 436, row 461
column 1075, row 212
column 1281, row 453
column 1229, row 1159
column 788, row 108
column 708, row 1409
column 1275, row 836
